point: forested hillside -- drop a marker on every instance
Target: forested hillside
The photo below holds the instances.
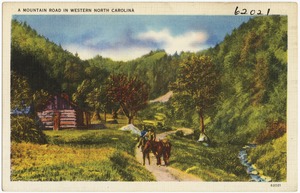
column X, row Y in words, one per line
column 157, row 69
column 46, row 65
column 253, row 62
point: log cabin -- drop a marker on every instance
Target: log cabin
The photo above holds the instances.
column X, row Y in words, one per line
column 60, row 112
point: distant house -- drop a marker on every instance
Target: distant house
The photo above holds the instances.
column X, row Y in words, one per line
column 60, row 112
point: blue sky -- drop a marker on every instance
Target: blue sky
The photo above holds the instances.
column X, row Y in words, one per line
column 126, row 37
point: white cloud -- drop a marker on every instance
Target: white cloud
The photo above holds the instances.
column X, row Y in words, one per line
column 119, row 54
column 125, row 54
column 83, row 52
column 190, row 41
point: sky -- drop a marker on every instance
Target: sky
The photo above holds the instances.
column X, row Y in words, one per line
column 126, row 37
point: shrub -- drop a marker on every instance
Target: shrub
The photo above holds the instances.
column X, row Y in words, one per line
column 179, row 133
column 196, row 134
column 26, row 129
column 274, row 130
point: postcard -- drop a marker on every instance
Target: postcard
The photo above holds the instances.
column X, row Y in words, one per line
column 150, row 96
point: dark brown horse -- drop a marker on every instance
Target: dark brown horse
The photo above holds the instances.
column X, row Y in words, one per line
column 161, row 148
column 142, row 142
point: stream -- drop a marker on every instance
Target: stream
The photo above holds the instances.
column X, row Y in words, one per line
column 255, row 174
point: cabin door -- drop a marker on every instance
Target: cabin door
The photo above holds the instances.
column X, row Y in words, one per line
column 56, row 121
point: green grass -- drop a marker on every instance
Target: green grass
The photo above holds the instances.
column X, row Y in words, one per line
column 271, row 158
column 120, row 140
column 79, row 155
column 218, row 163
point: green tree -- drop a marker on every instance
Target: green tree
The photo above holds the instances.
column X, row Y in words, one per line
column 131, row 93
column 198, row 78
column 21, row 93
column 91, row 93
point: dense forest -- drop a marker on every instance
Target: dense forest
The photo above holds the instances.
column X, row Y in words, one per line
column 244, row 98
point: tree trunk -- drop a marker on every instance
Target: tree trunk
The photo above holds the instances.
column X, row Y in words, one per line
column 96, row 115
column 87, row 118
column 203, row 127
column 130, row 119
column 127, row 113
column 104, row 115
column 114, row 114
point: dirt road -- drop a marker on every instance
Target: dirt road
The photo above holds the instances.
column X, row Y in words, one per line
column 163, row 173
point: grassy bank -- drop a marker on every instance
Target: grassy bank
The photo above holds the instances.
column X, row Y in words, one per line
column 271, row 158
column 79, row 155
column 218, row 163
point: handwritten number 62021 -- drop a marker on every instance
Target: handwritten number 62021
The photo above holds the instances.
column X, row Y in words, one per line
column 251, row 12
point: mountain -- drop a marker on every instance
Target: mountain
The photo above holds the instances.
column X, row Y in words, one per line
column 253, row 62
column 156, row 68
column 46, row 65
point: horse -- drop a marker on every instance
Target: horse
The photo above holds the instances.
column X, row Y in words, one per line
column 160, row 148
column 141, row 143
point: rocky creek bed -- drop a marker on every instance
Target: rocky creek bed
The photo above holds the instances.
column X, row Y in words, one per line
column 255, row 174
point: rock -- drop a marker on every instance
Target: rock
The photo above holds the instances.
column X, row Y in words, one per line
column 246, row 163
column 255, row 178
column 254, row 166
column 254, row 172
column 248, row 146
column 260, row 172
column 131, row 128
column 266, row 178
column 250, row 169
column 202, row 138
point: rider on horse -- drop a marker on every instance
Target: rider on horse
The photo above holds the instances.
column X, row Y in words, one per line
column 152, row 134
column 145, row 136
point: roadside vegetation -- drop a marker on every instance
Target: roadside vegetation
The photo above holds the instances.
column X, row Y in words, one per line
column 79, row 155
column 218, row 163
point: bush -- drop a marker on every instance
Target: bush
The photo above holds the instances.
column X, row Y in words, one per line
column 274, row 130
column 196, row 134
column 179, row 133
column 27, row 130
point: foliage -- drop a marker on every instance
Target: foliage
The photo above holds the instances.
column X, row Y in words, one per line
column 46, row 65
column 20, row 91
column 254, row 79
column 23, row 96
column 271, row 158
column 25, row 129
column 55, row 163
column 183, row 110
column 91, row 94
column 218, row 163
column 130, row 93
column 179, row 133
column 198, row 79
column 274, row 130
column 93, row 138
column 156, row 69
column 79, row 155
